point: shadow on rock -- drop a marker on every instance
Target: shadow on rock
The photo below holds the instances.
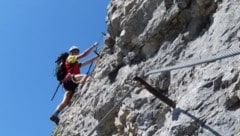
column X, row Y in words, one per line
column 177, row 111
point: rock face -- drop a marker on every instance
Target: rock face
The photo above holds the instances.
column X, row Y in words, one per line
column 149, row 34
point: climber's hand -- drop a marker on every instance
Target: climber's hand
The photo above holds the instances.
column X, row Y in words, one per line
column 95, row 45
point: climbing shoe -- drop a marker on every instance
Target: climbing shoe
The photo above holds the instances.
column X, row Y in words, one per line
column 55, row 119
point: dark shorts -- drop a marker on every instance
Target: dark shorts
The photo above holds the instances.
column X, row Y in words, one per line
column 68, row 84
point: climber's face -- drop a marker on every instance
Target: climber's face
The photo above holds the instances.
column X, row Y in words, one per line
column 75, row 52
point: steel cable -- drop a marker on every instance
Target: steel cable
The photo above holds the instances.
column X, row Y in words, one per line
column 226, row 54
column 110, row 112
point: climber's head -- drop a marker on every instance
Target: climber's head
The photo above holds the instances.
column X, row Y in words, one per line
column 74, row 50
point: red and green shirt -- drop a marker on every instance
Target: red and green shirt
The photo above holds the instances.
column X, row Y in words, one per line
column 72, row 65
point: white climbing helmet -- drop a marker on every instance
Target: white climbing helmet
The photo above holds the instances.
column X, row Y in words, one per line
column 73, row 48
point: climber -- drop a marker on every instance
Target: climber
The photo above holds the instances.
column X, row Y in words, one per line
column 73, row 77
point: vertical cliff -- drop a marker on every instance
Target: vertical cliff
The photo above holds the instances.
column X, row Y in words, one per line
column 149, row 34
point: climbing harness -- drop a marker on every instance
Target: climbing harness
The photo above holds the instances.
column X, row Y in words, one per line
column 226, row 54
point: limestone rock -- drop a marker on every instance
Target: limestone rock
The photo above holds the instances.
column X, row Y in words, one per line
column 149, row 34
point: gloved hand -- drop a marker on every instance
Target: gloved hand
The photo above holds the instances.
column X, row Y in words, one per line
column 95, row 45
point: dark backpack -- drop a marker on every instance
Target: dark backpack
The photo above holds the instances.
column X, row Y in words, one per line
column 60, row 70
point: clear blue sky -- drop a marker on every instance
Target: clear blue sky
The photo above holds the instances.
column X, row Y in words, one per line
column 32, row 34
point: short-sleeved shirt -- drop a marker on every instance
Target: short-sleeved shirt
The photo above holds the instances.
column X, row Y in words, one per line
column 72, row 65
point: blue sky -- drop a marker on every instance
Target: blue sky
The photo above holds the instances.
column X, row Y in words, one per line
column 32, row 34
